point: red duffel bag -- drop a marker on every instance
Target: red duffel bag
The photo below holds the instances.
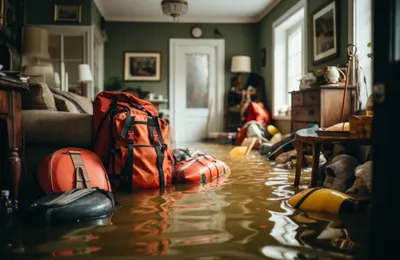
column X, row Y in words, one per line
column 199, row 168
column 72, row 168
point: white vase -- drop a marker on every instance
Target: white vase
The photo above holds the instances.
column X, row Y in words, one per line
column 332, row 75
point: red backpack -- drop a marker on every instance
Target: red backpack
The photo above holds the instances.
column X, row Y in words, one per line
column 131, row 140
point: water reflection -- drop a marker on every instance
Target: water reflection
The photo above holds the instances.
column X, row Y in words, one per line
column 242, row 217
column 197, row 219
column 45, row 241
column 284, row 230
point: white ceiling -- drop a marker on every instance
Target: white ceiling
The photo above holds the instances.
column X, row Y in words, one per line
column 199, row 11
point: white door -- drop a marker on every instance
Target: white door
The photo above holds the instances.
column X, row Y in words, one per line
column 196, row 88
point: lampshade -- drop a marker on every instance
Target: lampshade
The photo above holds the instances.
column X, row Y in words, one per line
column 241, row 64
column 35, row 42
column 85, row 74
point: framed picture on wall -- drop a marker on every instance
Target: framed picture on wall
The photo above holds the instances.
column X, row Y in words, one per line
column 67, row 13
column 325, row 32
column 142, row 66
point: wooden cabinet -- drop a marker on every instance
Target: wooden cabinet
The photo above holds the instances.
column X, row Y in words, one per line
column 320, row 105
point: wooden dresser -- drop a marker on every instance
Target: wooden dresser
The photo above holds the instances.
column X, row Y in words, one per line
column 320, row 105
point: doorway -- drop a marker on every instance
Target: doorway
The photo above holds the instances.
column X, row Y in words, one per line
column 196, row 88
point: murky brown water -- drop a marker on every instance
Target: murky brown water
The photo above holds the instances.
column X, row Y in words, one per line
column 242, row 217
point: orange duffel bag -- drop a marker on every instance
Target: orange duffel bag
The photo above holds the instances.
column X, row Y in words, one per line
column 199, row 168
column 72, row 168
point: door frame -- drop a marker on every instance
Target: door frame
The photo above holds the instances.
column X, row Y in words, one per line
column 218, row 99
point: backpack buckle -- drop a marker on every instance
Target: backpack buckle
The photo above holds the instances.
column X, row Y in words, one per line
column 130, row 134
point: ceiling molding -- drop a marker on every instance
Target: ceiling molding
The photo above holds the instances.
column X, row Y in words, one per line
column 267, row 10
column 101, row 7
column 181, row 20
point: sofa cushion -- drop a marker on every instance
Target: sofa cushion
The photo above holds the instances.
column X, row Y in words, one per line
column 64, row 104
column 39, row 96
column 57, row 128
column 83, row 104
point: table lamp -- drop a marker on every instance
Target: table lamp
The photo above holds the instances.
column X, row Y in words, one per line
column 35, row 50
column 240, row 64
column 35, row 43
column 85, row 76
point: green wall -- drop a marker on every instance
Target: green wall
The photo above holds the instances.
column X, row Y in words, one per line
column 96, row 16
column 265, row 41
column 342, row 28
column 240, row 39
column 42, row 11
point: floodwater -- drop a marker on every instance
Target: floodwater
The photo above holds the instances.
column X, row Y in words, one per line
column 244, row 216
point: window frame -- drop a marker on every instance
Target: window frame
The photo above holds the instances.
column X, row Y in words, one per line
column 279, row 27
column 290, row 31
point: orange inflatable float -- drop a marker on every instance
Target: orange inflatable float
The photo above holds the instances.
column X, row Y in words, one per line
column 72, row 168
column 199, row 168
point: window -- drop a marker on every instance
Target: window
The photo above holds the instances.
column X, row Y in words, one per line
column 294, row 61
column 361, row 34
column 289, row 39
column 70, row 46
column 67, row 51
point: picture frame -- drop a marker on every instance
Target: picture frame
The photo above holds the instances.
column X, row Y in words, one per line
column 325, row 32
column 142, row 66
column 68, row 13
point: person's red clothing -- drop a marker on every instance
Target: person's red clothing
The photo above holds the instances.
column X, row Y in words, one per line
column 256, row 111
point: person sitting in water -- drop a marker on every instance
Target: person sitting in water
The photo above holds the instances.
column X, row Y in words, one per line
column 253, row 116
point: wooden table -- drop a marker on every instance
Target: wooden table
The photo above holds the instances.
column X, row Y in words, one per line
column 11, row 112
column 310, row 136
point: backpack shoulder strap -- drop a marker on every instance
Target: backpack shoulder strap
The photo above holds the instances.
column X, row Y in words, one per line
column 80, row 170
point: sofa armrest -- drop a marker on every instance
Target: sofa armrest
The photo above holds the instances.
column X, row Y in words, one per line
column 57, row 128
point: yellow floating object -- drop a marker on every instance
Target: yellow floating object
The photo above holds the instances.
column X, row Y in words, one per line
column 245, row 148
column 323, row 200
column 272, row 130
column 276, row 138
column 238, row 151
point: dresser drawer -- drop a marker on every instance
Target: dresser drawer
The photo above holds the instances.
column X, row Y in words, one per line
column 312, row 98
column 306, row 113
column 297, row 99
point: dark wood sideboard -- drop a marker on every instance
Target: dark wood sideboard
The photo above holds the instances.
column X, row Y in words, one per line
column 11, row 112
column 321, row 105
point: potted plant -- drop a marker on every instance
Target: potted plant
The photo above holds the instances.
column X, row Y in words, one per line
column 114, row 84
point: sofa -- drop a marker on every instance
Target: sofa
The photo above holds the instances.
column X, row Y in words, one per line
column 52, row 119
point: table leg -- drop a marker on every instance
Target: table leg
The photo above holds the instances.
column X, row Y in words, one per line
column 14, row 130
column 15, row 167
column 299, row 162
column 316, row 149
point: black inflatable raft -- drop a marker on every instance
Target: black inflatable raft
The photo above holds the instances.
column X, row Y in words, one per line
column 72, row 206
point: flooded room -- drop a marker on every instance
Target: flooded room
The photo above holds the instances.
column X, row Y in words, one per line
column 188, row 129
